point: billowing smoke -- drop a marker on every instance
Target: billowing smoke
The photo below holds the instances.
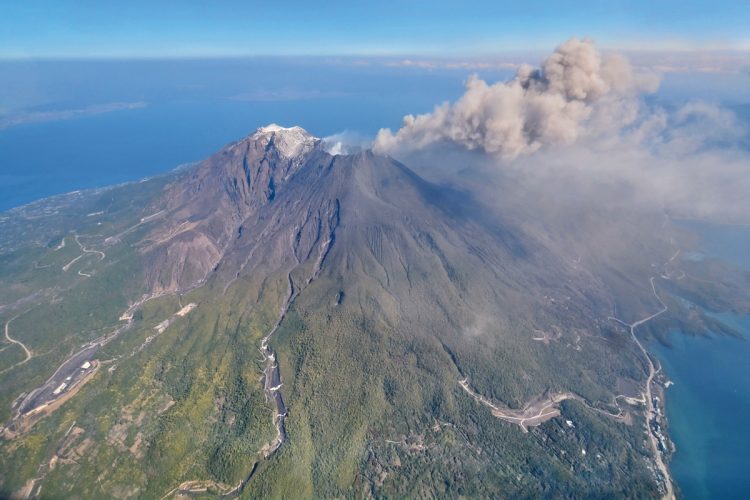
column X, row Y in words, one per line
column 578, row 126
column 575, row 93
column 346, row 142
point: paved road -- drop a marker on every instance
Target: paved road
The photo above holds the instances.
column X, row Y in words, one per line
column 69, row 373
column 652, row 371
column 17, row 342
column 10, row 339
column 85, row 252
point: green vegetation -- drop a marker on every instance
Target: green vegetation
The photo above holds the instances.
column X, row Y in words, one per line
column 371, row 349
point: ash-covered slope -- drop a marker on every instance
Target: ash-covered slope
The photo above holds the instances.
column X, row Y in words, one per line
column 207, row 207
column 236, row 209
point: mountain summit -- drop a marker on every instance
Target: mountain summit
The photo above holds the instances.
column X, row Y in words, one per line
column 381, row 292
column 290, row 142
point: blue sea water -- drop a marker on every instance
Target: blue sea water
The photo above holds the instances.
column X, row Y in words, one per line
column 186, row 110
column 709, row 404
column 41, row 159
column 191, row 108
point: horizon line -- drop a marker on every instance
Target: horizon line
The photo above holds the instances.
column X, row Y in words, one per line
column 476, row 56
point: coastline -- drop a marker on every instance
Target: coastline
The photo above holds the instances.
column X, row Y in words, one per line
column 711, row 388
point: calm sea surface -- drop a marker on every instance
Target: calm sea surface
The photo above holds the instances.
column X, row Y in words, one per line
column 182, row 111
column 709, row 405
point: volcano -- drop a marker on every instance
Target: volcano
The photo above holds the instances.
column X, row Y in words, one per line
column 278, row 320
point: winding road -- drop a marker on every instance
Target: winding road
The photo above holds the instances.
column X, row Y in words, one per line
column 10, row 339
column 652, row 371
column 540, row 411
column 85, row 251
column 536, row 411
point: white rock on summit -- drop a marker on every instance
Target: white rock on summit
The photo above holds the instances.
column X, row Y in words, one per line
column 290, row 142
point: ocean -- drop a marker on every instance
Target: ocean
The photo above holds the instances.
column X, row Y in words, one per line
column 709, row 403
column 68, row 125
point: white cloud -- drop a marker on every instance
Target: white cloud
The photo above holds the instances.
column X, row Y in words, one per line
column 12, row 119
column 346, row 142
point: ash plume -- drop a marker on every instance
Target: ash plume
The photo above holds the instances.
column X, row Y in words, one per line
column 575, row 92
column 578, row 124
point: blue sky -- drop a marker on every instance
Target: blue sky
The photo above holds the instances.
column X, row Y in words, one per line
column 185, row 28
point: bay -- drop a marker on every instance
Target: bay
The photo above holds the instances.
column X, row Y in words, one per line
column 708, row 405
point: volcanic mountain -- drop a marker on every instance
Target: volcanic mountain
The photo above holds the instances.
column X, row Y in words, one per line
column 296, row 323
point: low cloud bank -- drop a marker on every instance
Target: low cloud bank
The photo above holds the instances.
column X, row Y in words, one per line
column 25, row 117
